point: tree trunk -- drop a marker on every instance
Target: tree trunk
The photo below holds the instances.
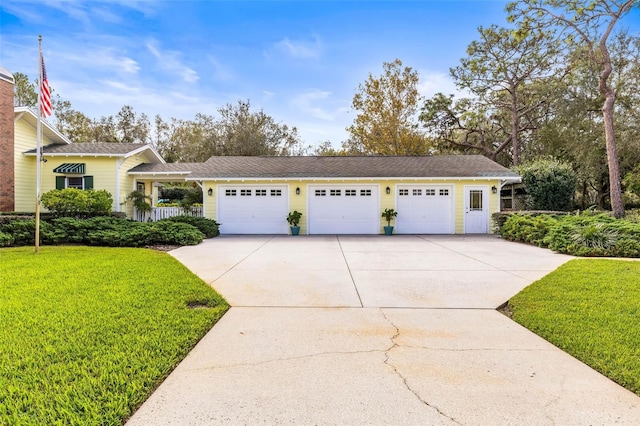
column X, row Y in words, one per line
column 515, row 125
column 615, row 188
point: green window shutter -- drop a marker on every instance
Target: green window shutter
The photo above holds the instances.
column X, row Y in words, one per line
column 88, row 182
column 61, row 182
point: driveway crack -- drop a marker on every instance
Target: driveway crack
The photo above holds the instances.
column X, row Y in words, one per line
column 394, row 345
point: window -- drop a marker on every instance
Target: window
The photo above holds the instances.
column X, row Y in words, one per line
column 417, row 192
column 403, row 192
column 429, row 192
column 350, row 192
column 78, row 182
column 230, row 192
column 261, row 192
column 365, row 193
column 444, row 192
column 245, row 192
column 335, row 192
column 475, row 200
column 75, row 182
column 321, row 192
column 276, row 192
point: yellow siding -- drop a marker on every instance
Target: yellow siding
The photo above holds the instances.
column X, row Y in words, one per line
column 128, row 183
column 25, row 166
column 299, row 202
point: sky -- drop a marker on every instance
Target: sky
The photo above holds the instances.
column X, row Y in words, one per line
column 299, row 61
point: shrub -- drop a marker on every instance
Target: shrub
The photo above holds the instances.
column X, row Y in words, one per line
column 6, row 239
column 23, row 231
column 583, row 234
column 210, row 228
column 77, row 202
column 550, row 184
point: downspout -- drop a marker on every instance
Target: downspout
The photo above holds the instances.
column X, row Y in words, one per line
column 119, row 163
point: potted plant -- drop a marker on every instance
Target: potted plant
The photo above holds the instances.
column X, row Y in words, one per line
column 294, row 219
column 389, row 214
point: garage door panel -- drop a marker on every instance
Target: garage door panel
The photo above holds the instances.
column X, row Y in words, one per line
column 343, row 209
column 424, row 209
column 253, row 209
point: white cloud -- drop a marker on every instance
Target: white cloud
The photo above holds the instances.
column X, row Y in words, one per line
column 434, row 82
column 169, row 61
column 219, row 71
column 311, row 102
column 300, row 49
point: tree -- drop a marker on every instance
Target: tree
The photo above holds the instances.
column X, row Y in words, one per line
column 585, row 27
column 24, row 92
column 550, row 184
column 242, row 132
column 76, row 126
column 387, row 106
column 505, row 76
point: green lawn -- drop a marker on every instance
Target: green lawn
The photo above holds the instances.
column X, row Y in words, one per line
column 86, row 334
column 590, row 309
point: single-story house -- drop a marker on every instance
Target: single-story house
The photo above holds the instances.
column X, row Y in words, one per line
column 64, row 164
column 444, row 194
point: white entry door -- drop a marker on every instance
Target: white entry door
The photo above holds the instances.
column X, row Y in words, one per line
column 476, row 210
column 255, row 209
column 343, row 209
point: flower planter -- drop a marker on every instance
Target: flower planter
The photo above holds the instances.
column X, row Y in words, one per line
column 388, row 230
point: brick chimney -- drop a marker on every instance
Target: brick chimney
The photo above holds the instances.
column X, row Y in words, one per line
column 7, row 184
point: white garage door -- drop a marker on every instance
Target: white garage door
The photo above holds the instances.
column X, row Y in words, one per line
column 343, row 209
column 258, row 209
column 425, row 209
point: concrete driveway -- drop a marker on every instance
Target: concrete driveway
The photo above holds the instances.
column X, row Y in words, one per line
column 377, row 330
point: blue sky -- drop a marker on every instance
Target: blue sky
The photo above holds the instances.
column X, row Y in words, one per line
column 300, row 61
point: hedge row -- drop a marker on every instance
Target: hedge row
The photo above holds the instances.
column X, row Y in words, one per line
column 108, row 231
column 584, row 234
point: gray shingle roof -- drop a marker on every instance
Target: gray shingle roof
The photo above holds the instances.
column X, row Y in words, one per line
column 438, row 166
column 92, row 148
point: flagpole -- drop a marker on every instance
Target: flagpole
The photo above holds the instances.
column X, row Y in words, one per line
column 38, row 146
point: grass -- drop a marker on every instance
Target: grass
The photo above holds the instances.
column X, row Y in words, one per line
column 86, row 334
column 591, row 310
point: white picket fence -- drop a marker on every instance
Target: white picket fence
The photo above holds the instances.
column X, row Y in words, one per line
column 158, row 213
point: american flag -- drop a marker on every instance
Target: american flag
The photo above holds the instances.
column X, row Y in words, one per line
column 45, row 93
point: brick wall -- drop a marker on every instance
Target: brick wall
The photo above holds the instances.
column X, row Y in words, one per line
column 7, row 185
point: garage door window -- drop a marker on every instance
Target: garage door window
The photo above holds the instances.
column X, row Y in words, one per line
column 417, row 192
column 429, row 192
column 350, row 192
column 444, row 192
column 261, row 192
column 335, row 192
column 365, row 193
column 230, row 192
column 403, row 192
column 276, row 192
column 245, row 192
column 321, row 193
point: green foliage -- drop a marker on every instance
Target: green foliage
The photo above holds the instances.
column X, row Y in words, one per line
column 585, row 234
column 589, row 308
column 104, row 231
column 88, row 333
column 550, row 184
column 77, row 202
column 23, row 231
column 210, row 228
column 139, row 201
column 294, row 218
column 6, row 239
column 632, row 181
column 389, row 214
